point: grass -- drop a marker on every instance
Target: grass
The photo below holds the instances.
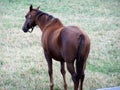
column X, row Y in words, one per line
column 22, row 63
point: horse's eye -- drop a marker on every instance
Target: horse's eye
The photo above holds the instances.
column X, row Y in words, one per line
column 25, row 16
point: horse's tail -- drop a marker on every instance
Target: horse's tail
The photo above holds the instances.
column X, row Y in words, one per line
column 80, row 57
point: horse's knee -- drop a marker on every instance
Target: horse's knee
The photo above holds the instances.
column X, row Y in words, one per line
column 76, row 81
column 81, row 80
column 74, row 78
column 83, row 76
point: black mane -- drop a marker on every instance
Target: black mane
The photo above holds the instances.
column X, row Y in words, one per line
column 39, row 14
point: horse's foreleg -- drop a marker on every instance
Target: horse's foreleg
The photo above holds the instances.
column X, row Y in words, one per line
column 71, row 69
column 50, row 71
column 50, row 75
column 63, row 72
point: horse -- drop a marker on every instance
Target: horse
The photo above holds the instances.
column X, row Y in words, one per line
column 66, row 44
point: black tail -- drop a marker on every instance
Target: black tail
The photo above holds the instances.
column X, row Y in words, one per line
column 80, row 57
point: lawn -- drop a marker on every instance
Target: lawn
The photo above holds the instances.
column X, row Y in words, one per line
column 22, row 63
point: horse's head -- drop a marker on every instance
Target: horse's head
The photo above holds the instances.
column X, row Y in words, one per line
column 30, row 19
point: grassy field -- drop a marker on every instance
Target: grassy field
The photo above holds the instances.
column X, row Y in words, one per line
column 22, row 63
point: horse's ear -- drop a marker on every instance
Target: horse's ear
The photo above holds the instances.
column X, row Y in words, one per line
column 38, row 7
column 31, row 8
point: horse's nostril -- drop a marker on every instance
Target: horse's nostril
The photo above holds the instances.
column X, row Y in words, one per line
column 24, row 29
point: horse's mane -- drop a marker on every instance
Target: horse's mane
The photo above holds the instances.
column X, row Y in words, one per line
column 41, row 13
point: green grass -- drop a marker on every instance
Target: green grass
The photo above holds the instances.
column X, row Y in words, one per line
column 22, row 63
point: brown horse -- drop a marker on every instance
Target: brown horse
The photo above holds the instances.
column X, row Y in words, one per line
column 62, row 43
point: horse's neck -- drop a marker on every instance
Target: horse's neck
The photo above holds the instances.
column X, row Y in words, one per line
column 52, row 24
column 41, row 22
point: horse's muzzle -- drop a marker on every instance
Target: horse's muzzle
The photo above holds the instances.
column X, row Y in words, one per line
column 24, row 29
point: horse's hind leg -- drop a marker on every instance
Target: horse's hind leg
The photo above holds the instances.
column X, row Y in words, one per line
column 63, row 74
column 81, row 81
column 71, row 69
